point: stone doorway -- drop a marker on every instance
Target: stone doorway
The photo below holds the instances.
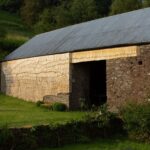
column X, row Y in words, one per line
column 89, row 83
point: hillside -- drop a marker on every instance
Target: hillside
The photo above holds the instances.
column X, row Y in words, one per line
column 13, row 33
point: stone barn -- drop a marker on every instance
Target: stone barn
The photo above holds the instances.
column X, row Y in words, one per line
column 104, row 60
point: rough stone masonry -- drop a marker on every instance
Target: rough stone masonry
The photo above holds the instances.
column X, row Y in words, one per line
column 128, row 79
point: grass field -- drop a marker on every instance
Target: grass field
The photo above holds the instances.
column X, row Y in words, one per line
column 116, row 144
column 14, row 26
column 16, row 113
column 16, row 32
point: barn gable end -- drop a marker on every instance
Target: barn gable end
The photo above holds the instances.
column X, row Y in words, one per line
column 33, row 78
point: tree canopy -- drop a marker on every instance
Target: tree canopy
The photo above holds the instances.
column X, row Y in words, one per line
column 46, row 15
column 120, row 6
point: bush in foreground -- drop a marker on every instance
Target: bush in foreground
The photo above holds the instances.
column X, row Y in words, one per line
column 106, row 120
column 39, row 103
column 136, row 119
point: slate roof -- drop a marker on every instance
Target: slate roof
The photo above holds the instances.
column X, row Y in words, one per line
column 124, row 29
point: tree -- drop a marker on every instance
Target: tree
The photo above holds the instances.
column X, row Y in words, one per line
column 67, row 12
column 30, row 11
column 120, row 6
column 33, row 10
column 11, row 5
column 103, row 7
column 146, row 3
column 83, row 10
column 63, row 14
column 46, row 21
column 46, row 15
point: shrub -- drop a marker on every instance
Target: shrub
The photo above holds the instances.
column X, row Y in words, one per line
column 39, row 103
column 83, row 104
column 102, row 115
column 106, row 120
column 54, row 135
column 58, row 106
column 25, row 141
column 136, row 119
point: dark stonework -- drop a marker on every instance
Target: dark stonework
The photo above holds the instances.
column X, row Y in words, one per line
column 129, row 78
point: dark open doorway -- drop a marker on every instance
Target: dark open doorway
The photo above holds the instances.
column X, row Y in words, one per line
column 89, row 83
column 98, row 83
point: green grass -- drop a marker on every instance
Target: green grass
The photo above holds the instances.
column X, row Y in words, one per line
column 17, row 113
column 14, row 25
column 118, row 144
column 16, row 32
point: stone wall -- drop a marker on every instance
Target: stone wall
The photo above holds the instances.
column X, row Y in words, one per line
column 33, row 78
column 129, row 78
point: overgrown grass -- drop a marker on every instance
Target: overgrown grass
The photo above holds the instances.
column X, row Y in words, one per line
column 17, row 113
column 116, row 144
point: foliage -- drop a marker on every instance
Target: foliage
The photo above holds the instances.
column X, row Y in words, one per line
column 103, row 7
column 58, row 106
column 46, row 21
column 110, row 122
column 24, row 141
column 47, row 15
column 30, row 11
column 39, row 103
column 63, row 16
column 103, row 116
column 136, row 119
column 10, row 5
column 57, row 14
column 10, row 44
column 16, row 140
column 146, row 3
column 2, row 33
column 105, row 144
column 86, row 9
column 83, row 104
column 3, row 54
column 5, row 138
column 54, row 136
column 121, row 6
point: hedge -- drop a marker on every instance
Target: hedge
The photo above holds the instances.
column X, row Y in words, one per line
column 55, row 136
